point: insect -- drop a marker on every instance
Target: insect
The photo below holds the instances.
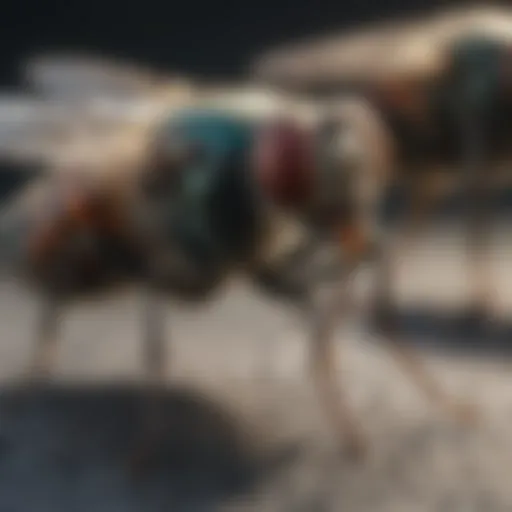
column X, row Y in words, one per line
column 202, row 195
column 440, row 86
column 176, row 200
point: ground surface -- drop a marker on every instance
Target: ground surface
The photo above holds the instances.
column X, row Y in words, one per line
column 245, row 431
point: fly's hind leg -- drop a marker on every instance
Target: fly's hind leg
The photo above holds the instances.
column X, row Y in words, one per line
column 45, row 351
column 153, row 421
column 46, row 348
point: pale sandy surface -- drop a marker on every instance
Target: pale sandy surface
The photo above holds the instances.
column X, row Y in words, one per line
column 245, row 430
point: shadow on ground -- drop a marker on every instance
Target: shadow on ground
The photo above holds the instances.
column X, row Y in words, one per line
column 455, row 332
column 65, row 448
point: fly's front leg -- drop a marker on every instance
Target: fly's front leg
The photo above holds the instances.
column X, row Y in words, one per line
column 325, row 373
column 321, row 322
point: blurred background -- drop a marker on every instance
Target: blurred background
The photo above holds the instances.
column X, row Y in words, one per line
column 246, row 432
column 173, row 36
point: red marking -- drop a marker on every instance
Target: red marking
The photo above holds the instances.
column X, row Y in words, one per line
column 79, row 208
column 284, row 162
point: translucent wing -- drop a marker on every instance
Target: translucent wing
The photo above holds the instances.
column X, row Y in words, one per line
column 30, row 129
column 41, row 129
column 79, row 77
column 83, row 111
column 38, row 131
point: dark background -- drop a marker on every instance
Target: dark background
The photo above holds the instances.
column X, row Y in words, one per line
column 210, row 38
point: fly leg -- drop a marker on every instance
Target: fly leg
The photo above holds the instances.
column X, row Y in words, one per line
column 155, row 360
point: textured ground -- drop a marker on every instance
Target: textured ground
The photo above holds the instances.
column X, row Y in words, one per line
column 244, row 427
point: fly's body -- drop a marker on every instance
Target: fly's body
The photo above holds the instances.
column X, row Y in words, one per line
column 181, row 198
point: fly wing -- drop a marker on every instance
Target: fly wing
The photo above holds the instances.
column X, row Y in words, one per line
column 38, row 131
column 106, row 92
column 81, row 109
column 79, row 77
column 31, row 129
